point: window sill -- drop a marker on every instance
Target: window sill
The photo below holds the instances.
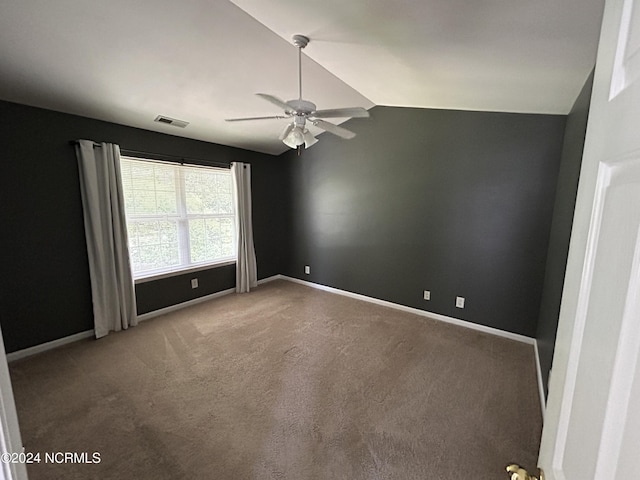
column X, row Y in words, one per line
column 176, row 273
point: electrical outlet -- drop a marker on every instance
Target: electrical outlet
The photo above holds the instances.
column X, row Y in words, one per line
column 194, row 283
column 307, row 269
column 427, row 295
column 460, row 302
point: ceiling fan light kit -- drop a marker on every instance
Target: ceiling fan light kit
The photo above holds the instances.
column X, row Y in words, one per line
column 295, row 133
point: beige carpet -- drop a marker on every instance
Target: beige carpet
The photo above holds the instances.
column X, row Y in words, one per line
column 286, row 382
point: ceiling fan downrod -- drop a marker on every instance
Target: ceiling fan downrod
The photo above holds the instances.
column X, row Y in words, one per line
column 300, row 41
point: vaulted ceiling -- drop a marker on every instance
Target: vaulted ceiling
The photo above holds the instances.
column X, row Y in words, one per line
column 202, row 61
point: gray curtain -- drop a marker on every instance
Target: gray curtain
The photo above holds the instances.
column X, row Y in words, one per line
column 246, row 269
column 105, row 227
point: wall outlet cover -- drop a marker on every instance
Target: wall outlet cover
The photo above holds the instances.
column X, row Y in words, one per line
column 427, row 295
column 307, row 269
column 460, row 302
column 194, row 283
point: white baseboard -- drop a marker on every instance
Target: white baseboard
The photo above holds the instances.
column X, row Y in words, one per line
column 27, row 352
column 271, row 279
column 188, row 303
column 195, row 301
column 43, row 347
column 417, row 311
column 543, row 402
column 437, row 316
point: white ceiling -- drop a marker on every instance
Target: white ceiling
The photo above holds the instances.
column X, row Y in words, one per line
column 203, row 60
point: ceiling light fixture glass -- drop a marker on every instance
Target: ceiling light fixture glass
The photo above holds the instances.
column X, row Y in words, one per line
column 309, row 139
column 294, row 138
column 297, row 136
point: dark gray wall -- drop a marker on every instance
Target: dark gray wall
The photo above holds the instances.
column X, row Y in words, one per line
column 561, row 223
column 459, row 203
column 455, row 202
column 44, row 281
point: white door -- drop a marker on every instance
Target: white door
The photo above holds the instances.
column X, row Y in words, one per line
column 592, row 422
column 9, row 432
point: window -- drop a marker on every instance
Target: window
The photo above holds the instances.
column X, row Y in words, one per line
column 178, row 217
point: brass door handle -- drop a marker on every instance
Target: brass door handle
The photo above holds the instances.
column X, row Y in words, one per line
column 516, row 472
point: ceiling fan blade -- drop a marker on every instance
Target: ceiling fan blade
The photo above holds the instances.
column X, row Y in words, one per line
column 351, row 112
column 286, row 131
column 254, row 118
column 309, row 139
column 276, row 101
column 335, row 129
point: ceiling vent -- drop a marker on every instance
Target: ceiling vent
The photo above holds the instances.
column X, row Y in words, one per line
column 171, row 121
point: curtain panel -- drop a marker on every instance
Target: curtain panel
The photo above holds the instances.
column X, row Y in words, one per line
column 105, row 227
column 246, row 269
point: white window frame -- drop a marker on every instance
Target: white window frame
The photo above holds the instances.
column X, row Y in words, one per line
column 182, row 219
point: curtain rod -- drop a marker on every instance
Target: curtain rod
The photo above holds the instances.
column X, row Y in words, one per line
column 161, row 156
column 75, row 142
column 173, row 158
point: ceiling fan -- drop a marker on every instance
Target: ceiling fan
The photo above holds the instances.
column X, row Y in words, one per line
column 296, row 133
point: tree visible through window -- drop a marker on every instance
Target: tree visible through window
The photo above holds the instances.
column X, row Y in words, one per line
column 178, row 217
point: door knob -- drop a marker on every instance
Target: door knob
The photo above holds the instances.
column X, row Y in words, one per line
column 516, row 472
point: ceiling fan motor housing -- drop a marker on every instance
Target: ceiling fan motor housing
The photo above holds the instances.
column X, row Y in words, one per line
column 301, row 107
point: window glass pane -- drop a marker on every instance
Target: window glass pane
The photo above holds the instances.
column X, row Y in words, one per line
column 125, row 171
column 149, row 188
column 128, row 200
column 144, row 202
column 153, row 244
column 177, row 216
column 142, row 188
column 166, row 203
column 207, row 192
column 198, row 241
column 225, row 203
column 165, row 178
column 211, row 239
column 226, row 240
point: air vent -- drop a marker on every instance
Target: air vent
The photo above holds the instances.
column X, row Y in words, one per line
column 171, row 121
